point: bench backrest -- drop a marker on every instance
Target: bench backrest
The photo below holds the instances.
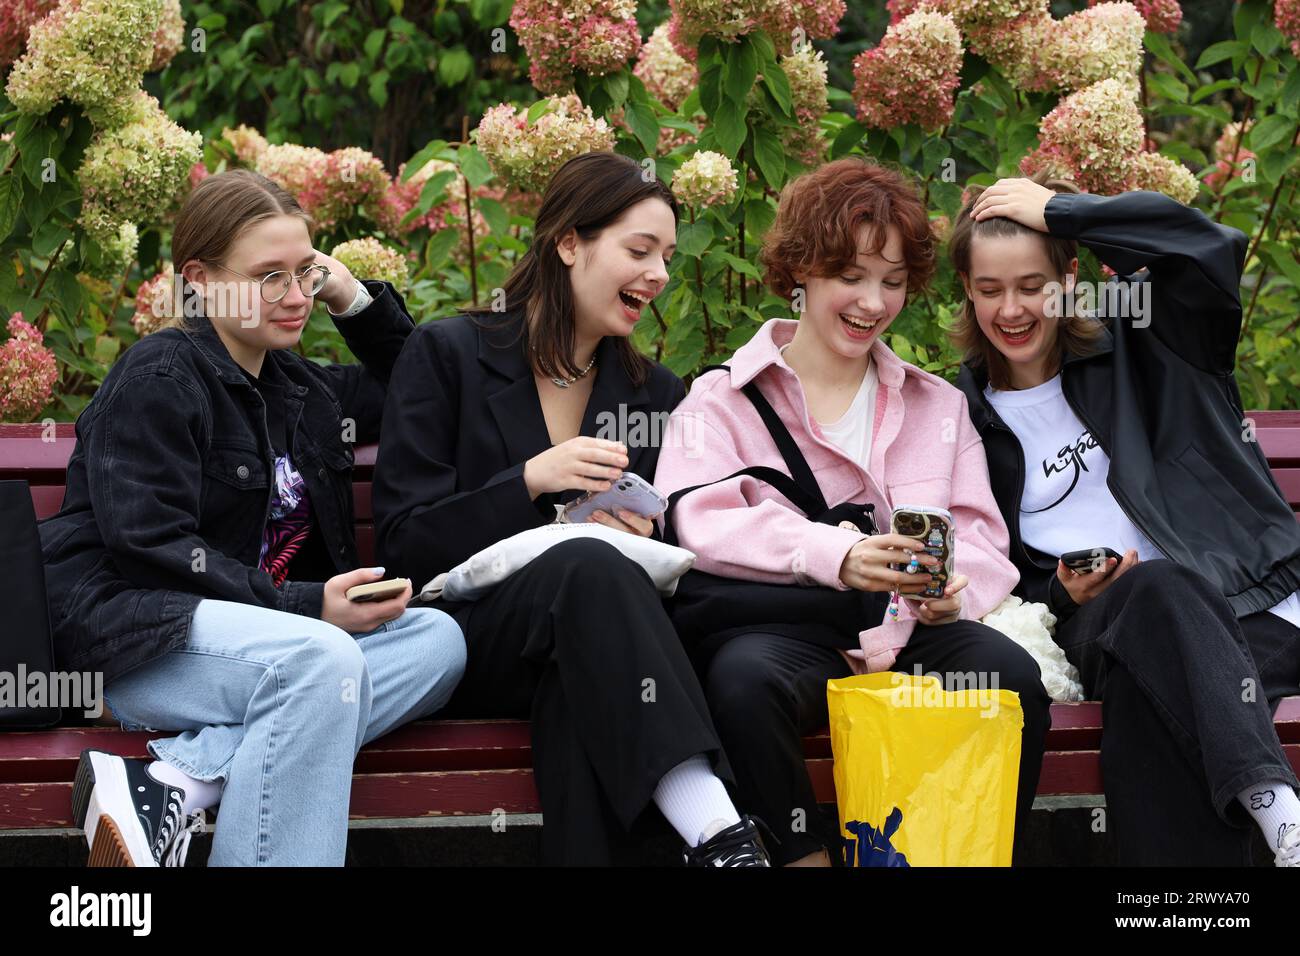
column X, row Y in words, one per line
column 39, row 454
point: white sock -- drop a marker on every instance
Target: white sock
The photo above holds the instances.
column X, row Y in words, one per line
column 199, row 794
column 1274, row 807
column 695, row 801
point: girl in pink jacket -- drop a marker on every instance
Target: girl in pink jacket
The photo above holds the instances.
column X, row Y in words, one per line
column 850, row 241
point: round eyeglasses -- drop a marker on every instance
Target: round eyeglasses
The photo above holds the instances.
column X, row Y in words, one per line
column 275, row 286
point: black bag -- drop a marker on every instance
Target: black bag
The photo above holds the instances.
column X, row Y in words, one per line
column 709, row 610
column 25, row 633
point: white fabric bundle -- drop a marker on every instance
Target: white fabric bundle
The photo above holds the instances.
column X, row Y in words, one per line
column 1030, row 626
column 476, row 576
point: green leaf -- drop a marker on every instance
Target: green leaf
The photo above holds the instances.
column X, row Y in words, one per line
column 11, row 200
column 1158, row 44
column 1218, row 52
column 616, row 85
column 1276, row 162
column 711, row 88
column 454, row 66
column 1168, row 86
column 374, row 42
column 849, row 136
column 1265, row 38
column 472, row 164
column 769, row 155
column 213, row 21
column 422, row 156
column 540, row 109
column 48, row 237
column 378, row 87
column 439, row 247
column 1270, row 131
column 694, row 237
column 740, row 265
column 434, row 191
column 759, row 216
column 729, row 127
column 495, row 214
column 106, row 348
column 640, row 116
column 740, row 70
column 1290, row 94
column 778, row 84
column 348, row 74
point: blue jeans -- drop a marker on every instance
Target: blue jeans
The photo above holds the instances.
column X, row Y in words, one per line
column 277, row 705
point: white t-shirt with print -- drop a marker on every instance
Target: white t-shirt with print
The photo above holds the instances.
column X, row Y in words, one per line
column 1067, row 505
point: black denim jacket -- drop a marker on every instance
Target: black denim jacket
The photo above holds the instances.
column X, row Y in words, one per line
column 170, row 483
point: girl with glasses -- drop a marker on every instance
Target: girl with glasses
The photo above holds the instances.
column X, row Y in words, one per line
column 205, row 547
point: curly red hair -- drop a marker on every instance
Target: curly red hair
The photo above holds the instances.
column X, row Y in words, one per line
column 820, row 212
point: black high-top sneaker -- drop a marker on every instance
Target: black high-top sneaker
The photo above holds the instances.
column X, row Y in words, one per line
column 130, row 818
column 737, row 845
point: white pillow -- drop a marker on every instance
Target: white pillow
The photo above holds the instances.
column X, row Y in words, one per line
column 475, row 577
column 1030, row 626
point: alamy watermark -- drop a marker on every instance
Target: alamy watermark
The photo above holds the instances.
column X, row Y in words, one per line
column 70, row 690
column 978, row 689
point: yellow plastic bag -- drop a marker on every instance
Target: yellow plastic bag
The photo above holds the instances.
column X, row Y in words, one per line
column 924, row 776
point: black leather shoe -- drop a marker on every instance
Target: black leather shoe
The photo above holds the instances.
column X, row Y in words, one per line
column 737, row 845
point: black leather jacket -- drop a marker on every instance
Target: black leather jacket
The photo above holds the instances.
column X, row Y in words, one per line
column 169, row 486
column 1163, row 403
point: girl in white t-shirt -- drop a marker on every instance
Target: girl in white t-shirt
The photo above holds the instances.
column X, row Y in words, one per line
column 1113, row 426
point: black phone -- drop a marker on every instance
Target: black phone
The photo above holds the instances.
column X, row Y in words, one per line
column 1089, row 559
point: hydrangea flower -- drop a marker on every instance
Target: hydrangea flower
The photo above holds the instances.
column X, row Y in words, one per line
column 450, row 213
column 247, row 143
column 527, row 155
column 347, row 181
column 806, row 70
column 1092, row 136
column 290, row 165
column 369, row 258
column 1226, row 163
column 91, row 52
column 785, row 21
column 966, row 13
column 704, row 179
column 16, row 18
column 1162, row 16
column 169, row 37
column 668, row 76
column 595, row 36
column 1286, row 14
column 912, row 75
column 136, row 172
column 28, row 371
column 1160, row 173
column 154, row 298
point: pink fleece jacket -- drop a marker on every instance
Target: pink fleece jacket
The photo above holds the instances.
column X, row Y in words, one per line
column 924, row 451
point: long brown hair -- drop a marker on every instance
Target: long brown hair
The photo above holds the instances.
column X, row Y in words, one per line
column 586, row 194
column 218, row 211
column 1076, row 334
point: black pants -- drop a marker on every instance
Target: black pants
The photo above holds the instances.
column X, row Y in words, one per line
column 1187, row 716
column 579, row 642
column 766, row 691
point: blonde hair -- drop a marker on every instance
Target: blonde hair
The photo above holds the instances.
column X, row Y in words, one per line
column 218, row 211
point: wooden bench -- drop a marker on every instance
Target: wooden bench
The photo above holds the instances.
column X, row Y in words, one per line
column 461, row 768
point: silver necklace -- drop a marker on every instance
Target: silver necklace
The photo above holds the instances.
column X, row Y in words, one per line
column 566, row 382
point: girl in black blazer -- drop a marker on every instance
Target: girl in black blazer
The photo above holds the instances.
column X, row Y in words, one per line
column 491, row 420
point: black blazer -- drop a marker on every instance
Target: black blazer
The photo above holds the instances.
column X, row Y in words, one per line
column 461, row 418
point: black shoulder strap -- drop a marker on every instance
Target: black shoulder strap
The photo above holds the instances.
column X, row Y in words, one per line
column 799, row 487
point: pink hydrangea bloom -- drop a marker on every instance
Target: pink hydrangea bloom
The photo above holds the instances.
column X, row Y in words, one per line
column 560, row 36
column 525, row 155
column 1162, row 16
column 912, row 75
column 154, row 302
column 169, row 37
column 1286, row 14
column 28, row 371
column 668, row 76
column 247, row 143
column 1093, row 137
column 347, row 181
column 16, row 18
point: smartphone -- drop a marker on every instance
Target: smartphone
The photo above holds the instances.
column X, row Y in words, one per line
column 936, row 528
column 377, row 590
column 629, row 493
column 1089, row 559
